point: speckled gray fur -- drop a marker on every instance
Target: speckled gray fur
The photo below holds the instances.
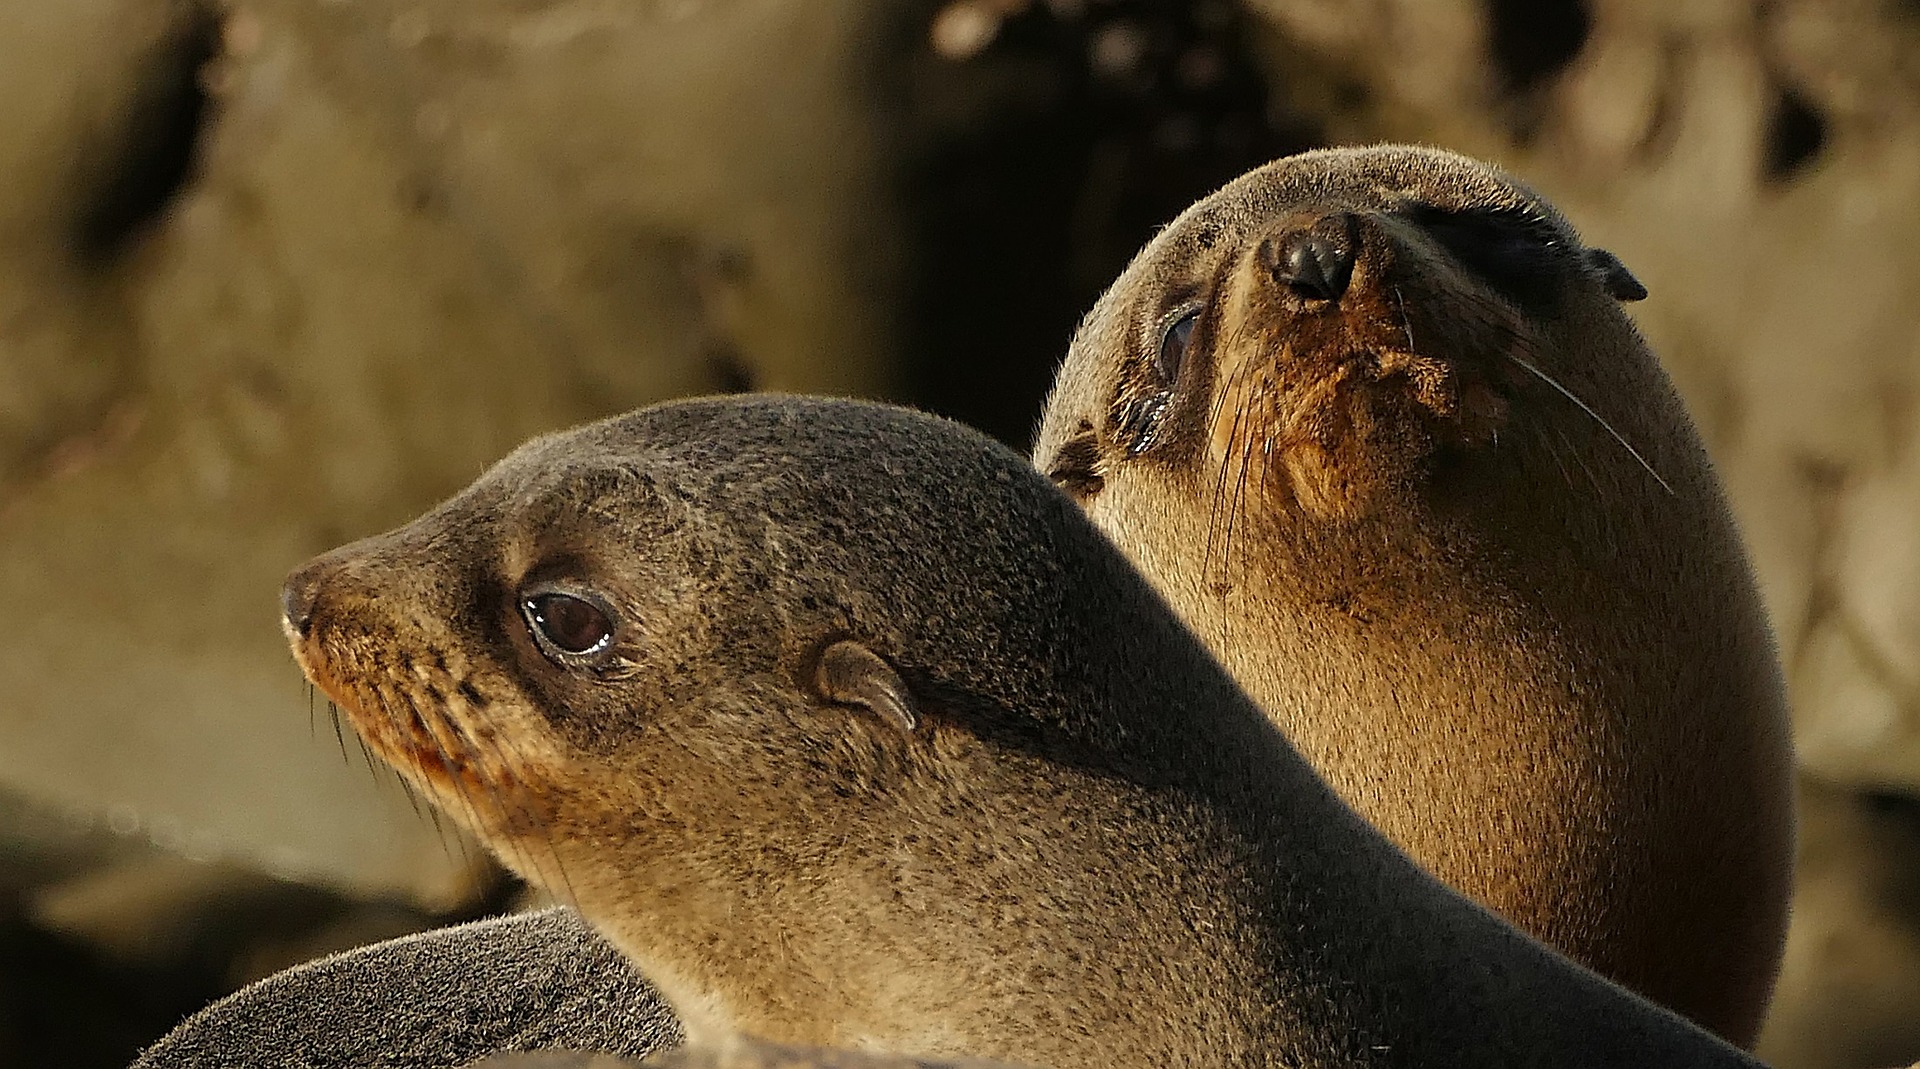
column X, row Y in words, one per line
column 438, row 1000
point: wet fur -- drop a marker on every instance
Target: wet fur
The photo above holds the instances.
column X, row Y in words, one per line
column 1089, row 849
column 1518, row 634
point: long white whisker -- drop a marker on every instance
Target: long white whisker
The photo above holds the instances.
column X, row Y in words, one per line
column 1608, row 427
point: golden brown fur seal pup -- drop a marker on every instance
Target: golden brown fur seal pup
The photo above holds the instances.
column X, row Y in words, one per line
column 1347, row 414
column 851, row 731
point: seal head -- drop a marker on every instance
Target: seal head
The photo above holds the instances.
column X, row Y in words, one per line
column 1325, row 332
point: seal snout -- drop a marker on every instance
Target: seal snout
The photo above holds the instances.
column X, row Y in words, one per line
column 1315, row 261
column 342, row 579
column 300, row 593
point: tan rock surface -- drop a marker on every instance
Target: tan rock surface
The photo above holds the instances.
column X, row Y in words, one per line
column 393, row 261
column 1849, row 992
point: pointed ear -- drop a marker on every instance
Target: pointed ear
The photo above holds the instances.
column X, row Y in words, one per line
column 852, row 674
column 1076, row 464
column 1619, row 281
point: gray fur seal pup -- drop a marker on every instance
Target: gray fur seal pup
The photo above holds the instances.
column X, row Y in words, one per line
column 437, row 1000
column 851, row 731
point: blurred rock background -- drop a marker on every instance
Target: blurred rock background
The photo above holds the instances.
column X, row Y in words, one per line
column 279, row 273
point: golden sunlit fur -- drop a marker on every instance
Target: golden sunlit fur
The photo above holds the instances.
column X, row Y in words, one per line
column 1455, row 532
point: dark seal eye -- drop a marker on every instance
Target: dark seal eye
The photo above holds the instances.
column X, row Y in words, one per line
column 1522, row 257
column 568, row 624
column 1175, row 342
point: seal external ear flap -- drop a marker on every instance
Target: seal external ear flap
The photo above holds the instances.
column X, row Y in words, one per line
column 855, row 675
column 1620, row 283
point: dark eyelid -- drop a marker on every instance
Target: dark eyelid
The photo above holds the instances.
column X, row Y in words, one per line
column 1183, row 307
column 1171, row 306
column 571, row 588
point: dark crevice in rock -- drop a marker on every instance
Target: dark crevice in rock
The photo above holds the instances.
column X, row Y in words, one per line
column 730, row 371
column 1533, row 40
column 1034, row 168
column 158, row 142
column 1796, row 133
column 1894, row 803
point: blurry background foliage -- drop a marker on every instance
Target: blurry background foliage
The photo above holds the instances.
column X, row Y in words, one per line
column 279, row 273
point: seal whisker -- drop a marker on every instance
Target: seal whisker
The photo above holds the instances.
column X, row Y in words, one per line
column 1553, row 454
column 507, row 756
column 406, row 791
column 339, row 738
column 1233, row 514
column 1235, row 511
column 1593, row 478
column 415, row 728
column 475, row 757
column 1226, row 459
column 1215, row 507
column 1588, row 409
column 439, row 829
column 366, row 758
column 1215, row 498
column 457, row 768
column 1219, row 399
column 449, row 770
column 500, row 756
column 462, row 770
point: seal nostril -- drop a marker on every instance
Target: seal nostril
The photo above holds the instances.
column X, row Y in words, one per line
column 1304, row 273
column 1315, row 266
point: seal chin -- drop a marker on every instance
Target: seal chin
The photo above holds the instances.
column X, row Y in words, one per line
column 1330, row 438
column 407, row 726
column 1306, row 446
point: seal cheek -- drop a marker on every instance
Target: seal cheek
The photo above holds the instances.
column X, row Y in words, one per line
column 1297, row 433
